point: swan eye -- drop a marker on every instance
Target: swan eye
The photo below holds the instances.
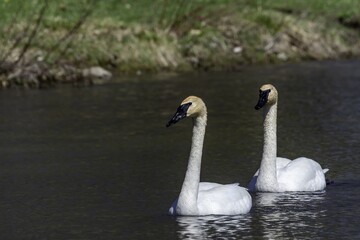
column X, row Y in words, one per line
column 187, row 105
column 265, row 91
column 263, row 99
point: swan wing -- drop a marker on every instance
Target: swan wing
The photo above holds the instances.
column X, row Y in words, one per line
column 229, row 199
column 203, row 186
column 301, row 174
column 282, row 162
column 211, row 197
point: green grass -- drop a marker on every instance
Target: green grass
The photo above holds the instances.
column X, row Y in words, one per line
column 165, row 12
column 173, row 34
column 327, row 8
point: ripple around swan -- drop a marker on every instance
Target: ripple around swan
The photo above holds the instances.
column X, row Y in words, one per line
column 284, row 214
column 213, row 227
column 274, row 216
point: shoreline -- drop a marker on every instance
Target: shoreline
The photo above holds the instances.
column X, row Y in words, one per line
column 223, row 42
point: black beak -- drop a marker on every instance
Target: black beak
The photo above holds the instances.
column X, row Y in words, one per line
column 263, row 98
column 180, row 114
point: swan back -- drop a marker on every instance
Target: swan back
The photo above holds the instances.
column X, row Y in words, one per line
column 219, row 199
column 301, row 174
column 229, row 199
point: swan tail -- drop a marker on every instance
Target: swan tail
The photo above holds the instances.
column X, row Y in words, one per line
column 328, row 181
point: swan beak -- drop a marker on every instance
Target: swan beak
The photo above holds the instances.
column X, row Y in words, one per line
column 263, row 98
column 181, row 113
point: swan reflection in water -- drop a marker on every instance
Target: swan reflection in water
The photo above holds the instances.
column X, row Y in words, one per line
column 273, row 216
column 290, row 214
column 213, row 226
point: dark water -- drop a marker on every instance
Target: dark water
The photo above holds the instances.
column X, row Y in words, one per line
column 98, row 163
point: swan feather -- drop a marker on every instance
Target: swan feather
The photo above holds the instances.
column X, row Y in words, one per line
column 300, row 174
column 220, row 199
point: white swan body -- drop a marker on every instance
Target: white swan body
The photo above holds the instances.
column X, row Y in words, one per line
column 204, row 198
column 218, row 199
column 301, row 174
column 280, row 174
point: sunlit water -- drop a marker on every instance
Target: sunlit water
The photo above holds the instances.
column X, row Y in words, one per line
column 98, row 163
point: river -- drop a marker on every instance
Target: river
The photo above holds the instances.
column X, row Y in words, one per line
column 99, row 163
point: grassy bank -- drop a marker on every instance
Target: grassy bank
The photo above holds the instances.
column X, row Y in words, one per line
column 142, row 35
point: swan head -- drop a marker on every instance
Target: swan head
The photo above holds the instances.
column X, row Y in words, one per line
column 191, row 106
column 268, row 95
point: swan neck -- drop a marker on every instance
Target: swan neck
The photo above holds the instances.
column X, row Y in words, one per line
column 187, row 203
column 267, row 179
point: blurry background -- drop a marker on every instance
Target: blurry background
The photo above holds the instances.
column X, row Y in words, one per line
column 61, row 37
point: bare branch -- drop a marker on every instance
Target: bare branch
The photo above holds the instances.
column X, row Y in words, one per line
column 10, row 28
column 11, row 33
column 33, row 32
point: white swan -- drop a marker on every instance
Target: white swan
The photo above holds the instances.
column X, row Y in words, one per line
column 204, row 198
column 280, row 174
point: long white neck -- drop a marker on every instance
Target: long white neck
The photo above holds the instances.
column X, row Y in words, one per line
column 267, row 180
column 187, row 202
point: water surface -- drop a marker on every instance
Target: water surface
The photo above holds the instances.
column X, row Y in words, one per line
column 98, row 163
